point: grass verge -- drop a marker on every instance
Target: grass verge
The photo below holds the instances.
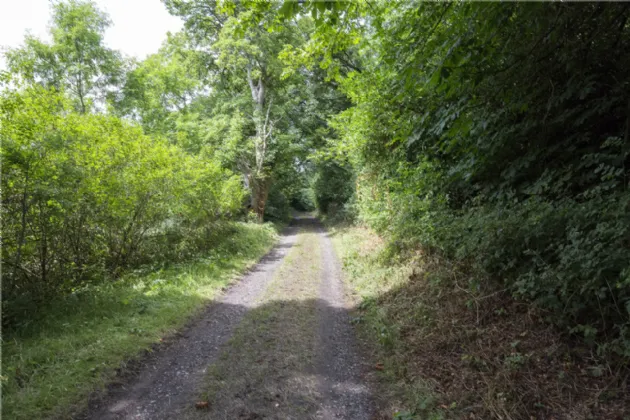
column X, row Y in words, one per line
column 51, row 365
column 449, row 344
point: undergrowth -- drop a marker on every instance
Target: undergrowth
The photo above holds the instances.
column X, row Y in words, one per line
column 52, row 363
column 447, row 345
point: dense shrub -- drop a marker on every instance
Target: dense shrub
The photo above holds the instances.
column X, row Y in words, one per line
column 333, row 186
column 86, row 196
column 497, row 134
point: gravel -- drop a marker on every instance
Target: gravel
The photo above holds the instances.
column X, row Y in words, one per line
column 339, row 366
column 168, row 382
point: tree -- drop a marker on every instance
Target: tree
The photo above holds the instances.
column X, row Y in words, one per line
column 244, row 56
column 87, row 195
column 76, row 61
column 161, row 89
column 495, row 134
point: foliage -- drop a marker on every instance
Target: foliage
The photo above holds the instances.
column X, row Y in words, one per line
column 76, row 61
column 333, row 186
column 75, row 344
column 498, row 135
column 159, row 92
column 86, row 195
column 246, row 70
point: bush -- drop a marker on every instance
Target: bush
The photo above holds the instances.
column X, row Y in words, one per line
column 87, row 196
column 333, row 186
column 501, row 140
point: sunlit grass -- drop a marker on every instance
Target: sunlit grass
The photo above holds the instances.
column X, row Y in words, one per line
column 50, row 366
column 371, row 277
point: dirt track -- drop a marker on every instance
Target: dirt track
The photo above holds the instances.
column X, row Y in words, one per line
column 277, row 345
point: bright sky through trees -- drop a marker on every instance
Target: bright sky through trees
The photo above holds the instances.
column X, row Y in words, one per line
column 138, row 26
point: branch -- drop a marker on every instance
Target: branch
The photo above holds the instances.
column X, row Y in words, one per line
column 267, row 118
column 251, row 82
column 446, row 9
column 29, row 274
column 347, row 61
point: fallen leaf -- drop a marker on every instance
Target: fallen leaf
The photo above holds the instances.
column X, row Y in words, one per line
column 379, row 366
column 202, row 405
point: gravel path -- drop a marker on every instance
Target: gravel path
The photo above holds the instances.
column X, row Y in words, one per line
column 345, row 394
column 168, row 384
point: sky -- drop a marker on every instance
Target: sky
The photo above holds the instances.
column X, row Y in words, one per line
column 138, row 26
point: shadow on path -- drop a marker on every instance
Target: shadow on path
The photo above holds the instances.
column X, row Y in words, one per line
column 272, row 379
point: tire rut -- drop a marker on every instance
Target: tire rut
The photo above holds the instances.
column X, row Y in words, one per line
column 169, row 381
column 168, row 384
column 340, row 367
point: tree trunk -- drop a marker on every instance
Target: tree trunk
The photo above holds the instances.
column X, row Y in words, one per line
column 259, row 182
column 260, row 192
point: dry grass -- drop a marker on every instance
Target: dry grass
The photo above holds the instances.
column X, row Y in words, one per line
column 452, row 347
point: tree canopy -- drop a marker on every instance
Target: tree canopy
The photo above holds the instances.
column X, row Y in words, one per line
column 494, row 134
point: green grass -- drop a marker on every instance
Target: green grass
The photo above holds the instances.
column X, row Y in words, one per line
column 451, row 342
column 73, row 348
column 372, row 277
